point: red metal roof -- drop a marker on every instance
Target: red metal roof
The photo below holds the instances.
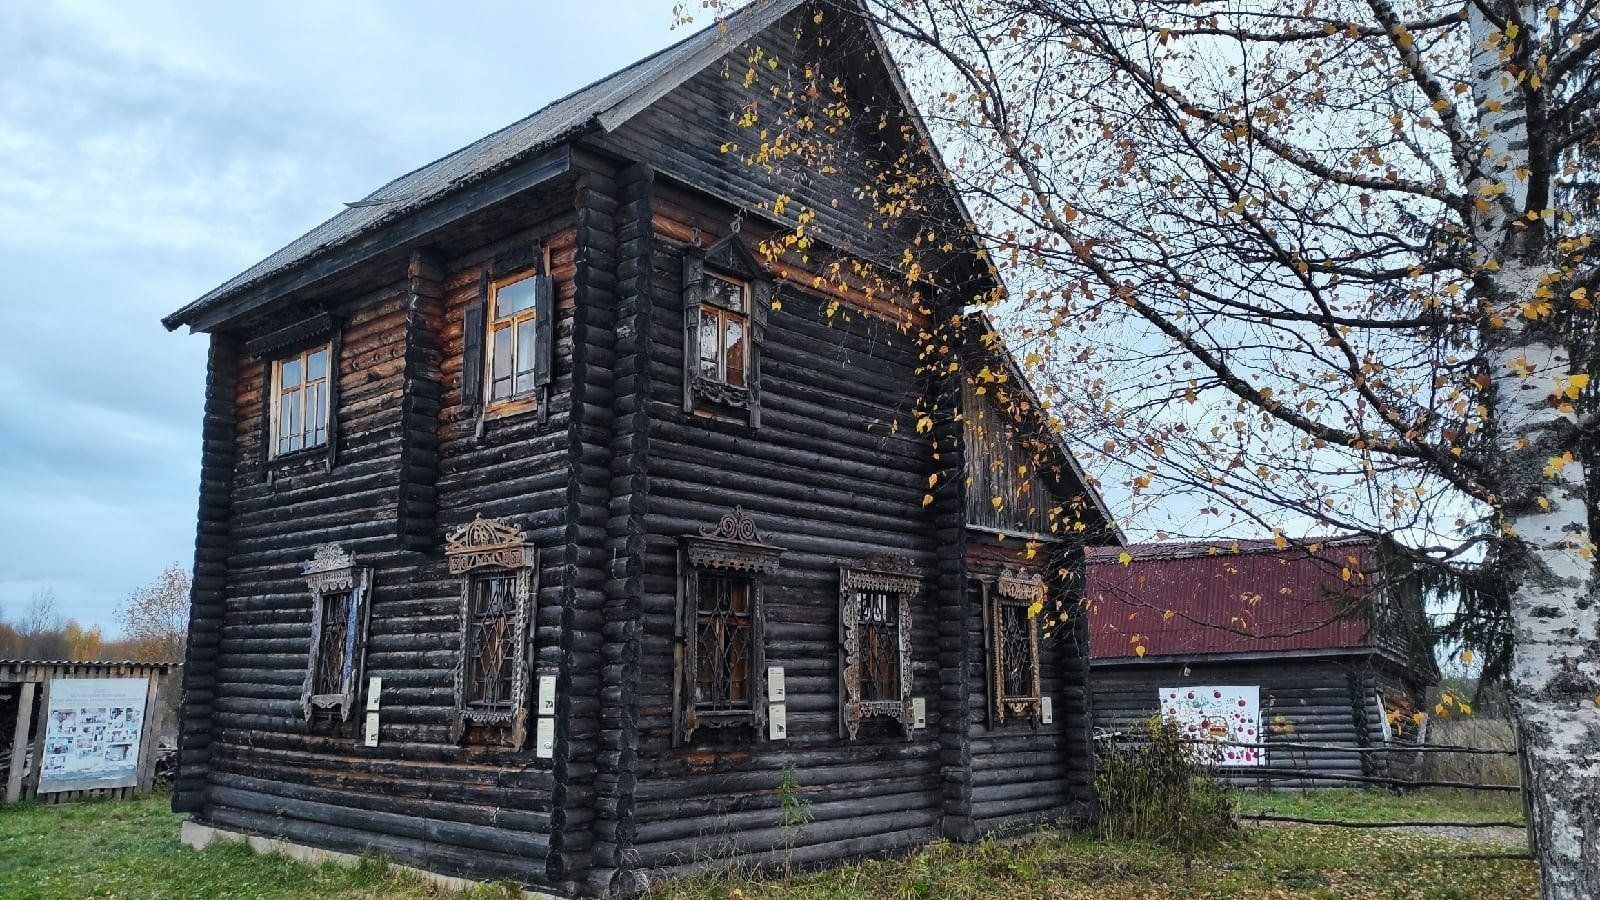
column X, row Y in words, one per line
column 1226, row 596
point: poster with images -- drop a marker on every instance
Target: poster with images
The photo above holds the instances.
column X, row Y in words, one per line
column 1216, row 720
column 92, row 733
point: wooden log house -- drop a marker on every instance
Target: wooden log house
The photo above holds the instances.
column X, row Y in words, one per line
column 1330, row 637
column 549, row 533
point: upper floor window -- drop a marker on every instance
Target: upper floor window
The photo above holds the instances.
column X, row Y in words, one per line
column 724, row 330
column 507, row 335
column 726, row 295
column 300, row 400
column 513, row 338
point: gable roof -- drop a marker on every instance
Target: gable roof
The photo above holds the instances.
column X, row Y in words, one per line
column 606, row 104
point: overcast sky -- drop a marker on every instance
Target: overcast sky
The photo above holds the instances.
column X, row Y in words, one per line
column 151, row 150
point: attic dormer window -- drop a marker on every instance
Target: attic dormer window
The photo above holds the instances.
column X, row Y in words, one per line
column 726, row 295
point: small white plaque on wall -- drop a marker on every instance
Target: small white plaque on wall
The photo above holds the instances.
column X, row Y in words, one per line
column 1047, row 710
column 547, row 695
column 919, row 711
column 544, row 738
column 374, row 691
column 777, row 722
column 776, row 693
column 372, row 729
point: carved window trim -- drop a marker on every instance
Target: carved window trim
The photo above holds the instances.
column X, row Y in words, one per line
column 897, row 577
column 728, row 260
column 494, row 548
column 1012, row 591
column 733, row 547
column 332, row 571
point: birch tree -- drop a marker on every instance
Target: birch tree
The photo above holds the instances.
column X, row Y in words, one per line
column 1297, row 264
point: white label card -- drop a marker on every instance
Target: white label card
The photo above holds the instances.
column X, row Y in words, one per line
column 544, row 738
column 372, row 729
column 776, row 693
column 1047, row 710
column 919, row 711
column 374, row 691
column 547, row 695
column 777, row 722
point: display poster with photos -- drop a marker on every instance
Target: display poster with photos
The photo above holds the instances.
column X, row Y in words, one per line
column 91, row 738
column 1216, row 720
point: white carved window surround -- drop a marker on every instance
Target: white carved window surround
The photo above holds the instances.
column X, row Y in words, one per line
column 339, row 602
column 499, row 573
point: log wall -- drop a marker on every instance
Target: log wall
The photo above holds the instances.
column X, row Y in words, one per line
column 413, row 461
column 1304, row 700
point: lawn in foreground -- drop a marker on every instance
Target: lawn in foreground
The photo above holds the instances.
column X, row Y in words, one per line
column 130, row 850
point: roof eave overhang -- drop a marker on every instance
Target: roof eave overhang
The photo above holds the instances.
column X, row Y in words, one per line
column 406, row 227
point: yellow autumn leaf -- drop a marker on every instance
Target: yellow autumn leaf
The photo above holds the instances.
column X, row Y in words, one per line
column 927, row 499
column 1467, row 657
column 1139, row 650
column 1035, row 608
column 1125, row 558
column 924, row 425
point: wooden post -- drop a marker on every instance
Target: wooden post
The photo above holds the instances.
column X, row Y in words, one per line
column 19, row 742
column 146, row 770
column 38, row 739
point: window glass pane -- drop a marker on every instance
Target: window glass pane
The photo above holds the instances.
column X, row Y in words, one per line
column 491, row 652
column 285, row 404
column 333, row 644
column 1016, row 649
column 726, row 294
column 500, row 371
column 289, row 374
column 317, row 413
column 735, row 351
column 526, row 343
column 513, row 298
column 289, row 421
column 317, row 365
column 710, row 350
column 722, row 643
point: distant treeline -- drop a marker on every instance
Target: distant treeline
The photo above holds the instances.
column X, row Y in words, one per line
column 154, row 620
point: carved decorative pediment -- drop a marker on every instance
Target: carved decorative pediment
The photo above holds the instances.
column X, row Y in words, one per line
column 331, row 568
column 487, row 542
column 1019, row 586
column 734, row 544
column 730, row 255
column 883, row 572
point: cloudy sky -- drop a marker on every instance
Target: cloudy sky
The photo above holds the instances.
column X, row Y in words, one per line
column 150, row 150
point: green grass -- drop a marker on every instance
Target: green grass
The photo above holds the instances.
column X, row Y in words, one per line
column 131, row 850
column 1356, row 805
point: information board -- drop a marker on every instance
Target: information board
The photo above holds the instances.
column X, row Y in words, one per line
column 92, row 733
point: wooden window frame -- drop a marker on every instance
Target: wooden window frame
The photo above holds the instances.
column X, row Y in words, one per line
column 734, row 547
column 888, row 575
column 499, row 549
column 276, row 395
column 330, row 572
column 727, row 260
column 478, row 325
column 1013, row 591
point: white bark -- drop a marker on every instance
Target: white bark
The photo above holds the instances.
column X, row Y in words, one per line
column 1555, row 674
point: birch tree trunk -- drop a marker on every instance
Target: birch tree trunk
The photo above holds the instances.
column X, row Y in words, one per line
column 1555, row 674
